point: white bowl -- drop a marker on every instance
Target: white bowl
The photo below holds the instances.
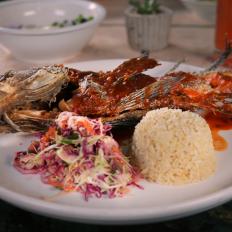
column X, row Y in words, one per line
column 205, row 9
column 41, row 45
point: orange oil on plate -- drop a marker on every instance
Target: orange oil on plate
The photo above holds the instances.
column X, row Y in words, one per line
column 217, row 124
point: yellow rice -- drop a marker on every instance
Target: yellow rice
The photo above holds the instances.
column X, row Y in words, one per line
column 174, row 147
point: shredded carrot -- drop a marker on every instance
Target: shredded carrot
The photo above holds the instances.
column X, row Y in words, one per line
column 87, row 126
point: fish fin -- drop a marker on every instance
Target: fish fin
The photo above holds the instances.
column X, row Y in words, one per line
column 131, row 67
column 140, row 98
column 221, row 59
column 125, row 119
column 30, row 120
column 175, row 66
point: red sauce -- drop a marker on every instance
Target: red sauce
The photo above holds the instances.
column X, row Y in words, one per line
column 101, row 91
column 133, row 84
column 217, row 124
column 92, row 102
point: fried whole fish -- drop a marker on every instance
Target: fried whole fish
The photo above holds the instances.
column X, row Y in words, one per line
column 30, row 100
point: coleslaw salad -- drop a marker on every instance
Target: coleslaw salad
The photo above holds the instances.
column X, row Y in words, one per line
column 79, row 154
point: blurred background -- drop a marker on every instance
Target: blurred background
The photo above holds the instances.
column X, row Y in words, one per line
column 191, row 35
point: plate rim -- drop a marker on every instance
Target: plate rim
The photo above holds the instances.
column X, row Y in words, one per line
column 95, row 214
column 102, row 215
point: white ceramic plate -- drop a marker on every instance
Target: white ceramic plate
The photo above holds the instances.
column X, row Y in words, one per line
column 154, row 203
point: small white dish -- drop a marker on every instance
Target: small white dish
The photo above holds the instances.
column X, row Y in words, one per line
column 154, row 203
column 41, row 45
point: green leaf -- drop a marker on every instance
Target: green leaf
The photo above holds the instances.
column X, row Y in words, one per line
column 134, row 3
column 90, row 18
column 67, row 141
column 146, row 6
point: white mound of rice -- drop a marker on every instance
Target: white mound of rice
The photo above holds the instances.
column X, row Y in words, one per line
column 174, row 147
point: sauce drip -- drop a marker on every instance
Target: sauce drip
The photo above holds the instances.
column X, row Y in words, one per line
column 216, row 124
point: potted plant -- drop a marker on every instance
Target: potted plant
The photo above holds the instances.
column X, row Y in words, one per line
column 148, row 25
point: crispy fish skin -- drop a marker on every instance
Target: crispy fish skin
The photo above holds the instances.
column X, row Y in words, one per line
column 20, row 88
